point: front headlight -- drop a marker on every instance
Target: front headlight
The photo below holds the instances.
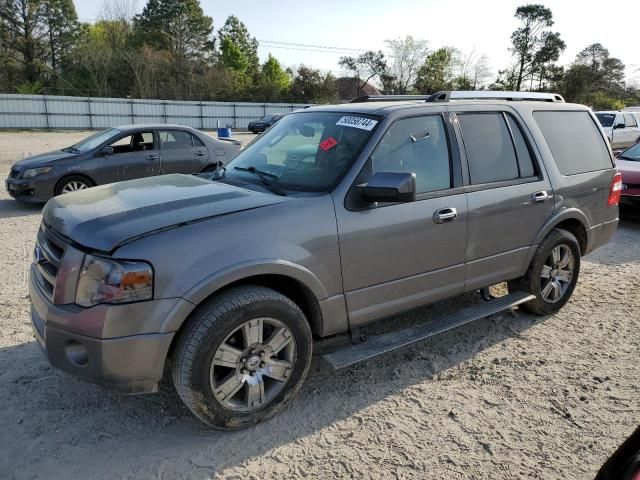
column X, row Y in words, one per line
column 103, row 280
column 32, row 172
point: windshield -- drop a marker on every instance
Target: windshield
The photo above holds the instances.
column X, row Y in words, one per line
column 307, row 151
column 632, row 153
column 606, row 119
column 94, row 140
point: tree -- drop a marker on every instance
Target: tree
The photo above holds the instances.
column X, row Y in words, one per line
column 179, row 26
column 436, row 72
column 368, row 65
column 533, row 42
column 24, row 32
column 407, row 56
column 471, row 71
column 60, row 22
column 274, row 81
column 595, row 78
column 236, row 43
column 309, row 85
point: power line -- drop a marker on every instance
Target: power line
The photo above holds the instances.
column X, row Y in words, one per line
column 309, row 47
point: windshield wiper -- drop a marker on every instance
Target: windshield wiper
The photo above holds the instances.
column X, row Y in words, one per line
column 265, row 178
column 624, row 157
column 71, row 150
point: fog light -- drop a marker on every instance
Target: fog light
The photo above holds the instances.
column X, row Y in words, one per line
column 76, row 353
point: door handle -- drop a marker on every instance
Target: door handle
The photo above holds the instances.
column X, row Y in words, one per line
column 445, row 215
column 199, row 153
column 152, row 157
column 540, row 197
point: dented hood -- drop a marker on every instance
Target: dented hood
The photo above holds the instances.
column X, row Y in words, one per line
column 103, row 217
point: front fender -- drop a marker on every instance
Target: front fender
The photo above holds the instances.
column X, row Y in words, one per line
column 220, row 279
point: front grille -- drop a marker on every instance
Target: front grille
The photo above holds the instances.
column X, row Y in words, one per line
column 47, row 258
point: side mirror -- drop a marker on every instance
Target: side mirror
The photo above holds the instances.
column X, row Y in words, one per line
column 106, row 151
column 389, row 187
column 618, row 125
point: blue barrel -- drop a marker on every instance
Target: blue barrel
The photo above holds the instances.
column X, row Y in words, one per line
column 224, row 132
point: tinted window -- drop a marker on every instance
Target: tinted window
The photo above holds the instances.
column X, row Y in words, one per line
column 574, row 140
column 490, row 152
column 630, row 121
column 606, row 119
column 525, row 163
column 136, row 142
column 416, row 145
column 172, row 139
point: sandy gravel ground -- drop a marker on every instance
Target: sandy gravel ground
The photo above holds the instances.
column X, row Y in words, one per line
column 513, row 396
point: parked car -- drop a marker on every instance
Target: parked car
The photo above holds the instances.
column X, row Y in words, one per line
column 628, row 163
column 116, row 154
column 259, row 126
column 229, row 278
column 622, row 128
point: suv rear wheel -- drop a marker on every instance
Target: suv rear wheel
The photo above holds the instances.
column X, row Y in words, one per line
column 553, row 273
column 243, row 357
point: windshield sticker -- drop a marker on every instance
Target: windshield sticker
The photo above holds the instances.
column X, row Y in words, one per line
column 357, row 122
column 328, row 144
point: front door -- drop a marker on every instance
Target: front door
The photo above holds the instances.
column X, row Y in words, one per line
column 510, row 197
column 135, row 155
column 398, row 256
column 177, row 154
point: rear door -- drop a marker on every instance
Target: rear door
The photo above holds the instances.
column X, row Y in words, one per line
column 401, row 255
column 509, row 195
column 632, row 130
column 135, row 155
column 176, row 151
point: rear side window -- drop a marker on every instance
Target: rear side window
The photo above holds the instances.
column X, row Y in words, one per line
column 491, row 153
column 172, row 139
column 574, row 140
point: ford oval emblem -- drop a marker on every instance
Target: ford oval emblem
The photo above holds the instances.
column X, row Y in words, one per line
column 37, row 255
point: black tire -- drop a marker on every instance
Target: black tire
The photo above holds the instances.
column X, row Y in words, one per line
column 533, row 282
column 211, row 327
column 64, row 182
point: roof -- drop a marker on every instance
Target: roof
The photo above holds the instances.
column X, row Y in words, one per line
column 138, row 126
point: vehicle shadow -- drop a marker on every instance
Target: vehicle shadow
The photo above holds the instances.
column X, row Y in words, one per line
column 12, row 208
column 58, row 424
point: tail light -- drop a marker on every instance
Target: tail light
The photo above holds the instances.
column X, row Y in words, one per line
column 615, row 191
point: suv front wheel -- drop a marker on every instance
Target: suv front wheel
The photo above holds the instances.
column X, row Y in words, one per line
column 243, row 357
column 553, row 273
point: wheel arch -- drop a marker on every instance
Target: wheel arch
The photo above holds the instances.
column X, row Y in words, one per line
column 73, row 174
column 293, row 281
column 572, row 220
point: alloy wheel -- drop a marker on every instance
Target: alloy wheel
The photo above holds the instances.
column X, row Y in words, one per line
column 557, row 273
column 253, row 364
column 74, row 186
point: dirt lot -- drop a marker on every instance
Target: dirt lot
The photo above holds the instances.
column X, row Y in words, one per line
column 513, row 396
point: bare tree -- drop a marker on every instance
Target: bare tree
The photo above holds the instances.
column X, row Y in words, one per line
column 471, row 70
column 407, row 56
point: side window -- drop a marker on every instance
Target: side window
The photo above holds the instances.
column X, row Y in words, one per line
column 196, row 141
column 575, row 141
column 523, row 154
column 172, row 139
column 490, row 150
column 136, row 142
column 416, row 145
column 630, row 120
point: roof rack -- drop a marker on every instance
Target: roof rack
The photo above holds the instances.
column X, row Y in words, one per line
column 446, row 96
column 389, row 98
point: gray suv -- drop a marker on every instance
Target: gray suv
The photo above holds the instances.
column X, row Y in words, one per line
column 336, row 217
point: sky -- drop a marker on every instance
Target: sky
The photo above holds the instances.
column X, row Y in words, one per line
column 356, row 26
